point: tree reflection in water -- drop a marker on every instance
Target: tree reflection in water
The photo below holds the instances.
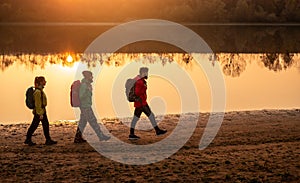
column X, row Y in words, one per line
column 233, row 64
column 277, row 62
column 32, row 61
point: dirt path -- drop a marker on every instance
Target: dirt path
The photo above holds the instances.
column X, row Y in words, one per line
column 251, row 146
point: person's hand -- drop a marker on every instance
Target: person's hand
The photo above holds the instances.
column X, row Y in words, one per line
column 41, row 117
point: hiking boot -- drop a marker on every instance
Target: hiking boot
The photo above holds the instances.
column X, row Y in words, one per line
column 104, row 137
column 50, row 142
column 29, row 142
column 79, row 140
column 161, row 132
column 133, row 137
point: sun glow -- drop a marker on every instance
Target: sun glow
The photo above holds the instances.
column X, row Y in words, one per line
column 69, row 68
column 69, row 58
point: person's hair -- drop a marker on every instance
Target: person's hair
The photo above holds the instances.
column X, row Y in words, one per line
column 143, row 69
column 38, row 80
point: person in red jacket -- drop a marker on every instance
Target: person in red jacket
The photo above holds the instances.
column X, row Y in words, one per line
column 142, row 106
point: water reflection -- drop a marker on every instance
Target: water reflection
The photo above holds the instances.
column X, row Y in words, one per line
column 278, row 62
column 31, row 61
column 233, row 64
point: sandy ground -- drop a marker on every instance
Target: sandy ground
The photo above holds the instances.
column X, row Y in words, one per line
column 251, row 146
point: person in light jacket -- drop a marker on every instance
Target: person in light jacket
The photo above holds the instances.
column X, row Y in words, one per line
column 87, row 114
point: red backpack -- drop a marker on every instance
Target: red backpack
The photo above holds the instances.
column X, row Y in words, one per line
column 74, row 94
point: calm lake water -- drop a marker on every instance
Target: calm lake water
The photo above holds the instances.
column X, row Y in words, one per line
column 252, row 81
column 258, row 64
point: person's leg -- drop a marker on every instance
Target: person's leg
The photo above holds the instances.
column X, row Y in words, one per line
column 80, row 128
column 136, row 117
column 83, row 120
column 45, row 123
column 34, row 124
column 151, row 116
column 91, row 118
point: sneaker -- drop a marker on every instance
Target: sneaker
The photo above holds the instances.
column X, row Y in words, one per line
column 50, row 142
column 79, row 140
column 161, row 132
column 104, row 138
column 29, row 142
column 133, row 137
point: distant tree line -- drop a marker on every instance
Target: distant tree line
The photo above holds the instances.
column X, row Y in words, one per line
column 174, row 10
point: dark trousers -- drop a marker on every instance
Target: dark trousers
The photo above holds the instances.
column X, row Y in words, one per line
column 35, row 123
column 137, row 114
column 145, row 109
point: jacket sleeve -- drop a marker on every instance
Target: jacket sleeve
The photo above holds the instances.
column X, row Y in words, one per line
column 38, row 103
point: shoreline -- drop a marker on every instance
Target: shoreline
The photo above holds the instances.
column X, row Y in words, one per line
column 103, row 119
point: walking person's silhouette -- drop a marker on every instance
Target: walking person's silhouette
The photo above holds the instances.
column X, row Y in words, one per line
column 141, row 105
column 87, row 114
column 39, row 112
